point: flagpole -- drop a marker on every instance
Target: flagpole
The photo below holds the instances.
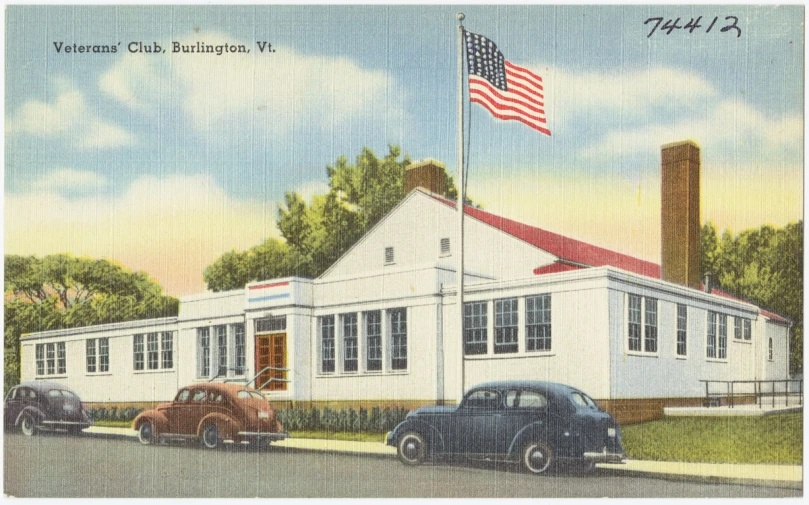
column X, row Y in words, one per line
column 461, row 198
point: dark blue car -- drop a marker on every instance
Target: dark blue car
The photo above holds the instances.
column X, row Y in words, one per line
column 533, row 423
column 33, row 406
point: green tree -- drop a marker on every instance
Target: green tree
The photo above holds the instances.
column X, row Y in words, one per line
column 765, row 267
column 62, row 291
column 317, row 234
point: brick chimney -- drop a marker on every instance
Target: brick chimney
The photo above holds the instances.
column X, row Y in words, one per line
column 427, row 174
column 680, row 219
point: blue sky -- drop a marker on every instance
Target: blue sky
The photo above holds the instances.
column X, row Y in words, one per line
column 160, row 160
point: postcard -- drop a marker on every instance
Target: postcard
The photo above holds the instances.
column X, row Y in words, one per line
column 403, row 251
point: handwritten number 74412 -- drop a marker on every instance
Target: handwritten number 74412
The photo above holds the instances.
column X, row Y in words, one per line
column 674, row 24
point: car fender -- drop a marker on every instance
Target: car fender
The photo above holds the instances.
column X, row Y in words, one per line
column 227, row 426
column 433, row 437
column 532, row 431
column 32, row 411
column 159, row 421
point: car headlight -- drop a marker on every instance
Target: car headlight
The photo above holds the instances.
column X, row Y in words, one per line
column 611, row 432
column 263, row 415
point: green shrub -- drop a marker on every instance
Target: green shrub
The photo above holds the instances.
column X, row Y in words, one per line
column 328, row 419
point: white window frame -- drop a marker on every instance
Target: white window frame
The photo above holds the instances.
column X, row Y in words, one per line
column 239, row 347
column 717, row 321
column 507, row 325
column 681, row 331
column 204, row 354
column 167, row 354
column 770, row 353
column 395, row 328
column 138, row 351
column 643, row 325
column 90, row 356
column 373, row 330
column 40, row 359
column 538, row 321
column 747, row 330
column 350, row 336
column 327, row 322
column 480, row 330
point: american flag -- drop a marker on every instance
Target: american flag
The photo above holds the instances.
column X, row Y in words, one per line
column 506, row 90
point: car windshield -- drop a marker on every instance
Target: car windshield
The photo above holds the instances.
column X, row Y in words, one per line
column 243, row 395
column 67, row 394
column 583, row 400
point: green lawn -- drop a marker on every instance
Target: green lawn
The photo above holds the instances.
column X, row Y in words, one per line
column 340, row 435
column 113, row 424
column 764, row 439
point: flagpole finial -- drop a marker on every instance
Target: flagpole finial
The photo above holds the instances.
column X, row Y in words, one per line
column 460, row 16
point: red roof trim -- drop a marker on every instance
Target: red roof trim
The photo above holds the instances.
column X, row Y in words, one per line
column 567, row 249
column 575, row 251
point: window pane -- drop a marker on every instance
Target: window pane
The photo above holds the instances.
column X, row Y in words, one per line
column 327, row 343
column 475, row 321
column 138, row 352
column 167, row 349
column 748, row 330
column 682, row 329
column 710, row 350
column 398, row 323
column 104, row 354
column 91, row 355
column 650, row 327
column 61, row 358
column 634, row 322
column 222, row 350
column 40, row 351
column 538, row 323
column 241, row 355
column 204, row 350
column 51, row 352
column 723, row 336
column 152, row 350
column 271, row 324
column 350, row 350
column 505, row 326
column 373, row 332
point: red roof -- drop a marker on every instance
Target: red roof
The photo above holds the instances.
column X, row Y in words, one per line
column 572, row 252
column 566, row 249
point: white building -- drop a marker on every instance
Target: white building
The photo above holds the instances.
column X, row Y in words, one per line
column 381, row 327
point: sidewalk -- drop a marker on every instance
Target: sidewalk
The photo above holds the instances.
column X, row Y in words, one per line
column 785, row 476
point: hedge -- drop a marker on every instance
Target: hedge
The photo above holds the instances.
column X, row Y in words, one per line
column 313, row 419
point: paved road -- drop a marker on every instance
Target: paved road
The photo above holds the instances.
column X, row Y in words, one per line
column 58, row 465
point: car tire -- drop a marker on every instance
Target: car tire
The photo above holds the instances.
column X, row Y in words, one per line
column 28, row 425
column 146, row 433
column 537, row 457
column 411, row 449
column 210, row 436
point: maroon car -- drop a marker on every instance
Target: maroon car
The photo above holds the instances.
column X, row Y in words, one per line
column 211, row 412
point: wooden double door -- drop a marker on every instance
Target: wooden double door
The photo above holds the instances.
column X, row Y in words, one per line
column 271, row 350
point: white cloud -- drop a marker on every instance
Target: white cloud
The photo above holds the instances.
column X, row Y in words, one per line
column 277, row 90
column 623, row 93
column 171, row 227
column 69, row 117
column 730, row 124
column 69, row 180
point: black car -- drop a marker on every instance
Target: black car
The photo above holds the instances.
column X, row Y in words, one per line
column 33, row 406
column 534, row 423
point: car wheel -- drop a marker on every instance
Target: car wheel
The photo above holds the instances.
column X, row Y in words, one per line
column 146, row 433
column 412, row 449
column 210, row 436
column 537, row 457
column 27, row 425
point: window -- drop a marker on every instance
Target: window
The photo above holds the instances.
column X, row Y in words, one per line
column 682, row 329
column 350, row 345
column 398, row 325
column 389, row 255
column 51, row 361
column 769, row 349
column 538, row 323
column 475, row 335
column 183, row 395
column 167, row 349
column 748, row 329
column 137, row 350
column 327, row 344
column 483, row 399
column 445, row 251
column 525, row 399
column 221, row 350
column 271, row 324
column 650, row 326
column 710, row 348
column 737, row 328
column 373, row 335
column 152, row 351
column 634, row 322
column 91, row 355
column 104, row 354
column 40, row 353
column 723, row 336
column 238, row 343
column 505, row 326
column 204, row 347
